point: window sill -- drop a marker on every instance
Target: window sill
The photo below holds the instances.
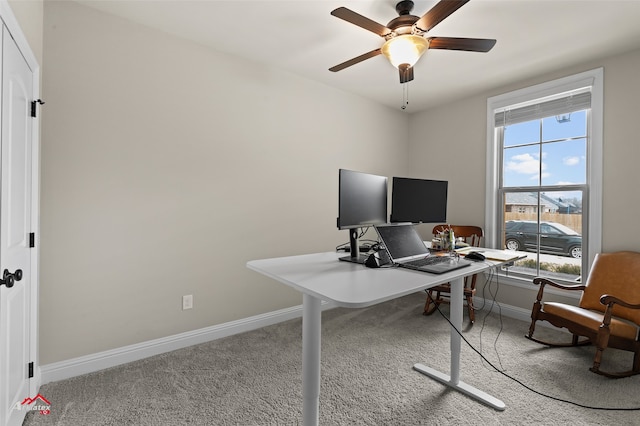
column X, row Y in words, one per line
column 526, row 283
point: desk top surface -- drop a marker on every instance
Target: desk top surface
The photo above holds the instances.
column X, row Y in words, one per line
column 353, row 285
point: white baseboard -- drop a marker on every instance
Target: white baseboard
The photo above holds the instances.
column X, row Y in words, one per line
column 111, row 358
column 514, row 312
column 506, row 310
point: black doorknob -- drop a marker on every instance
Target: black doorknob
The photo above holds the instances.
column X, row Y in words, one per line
column 9, row 279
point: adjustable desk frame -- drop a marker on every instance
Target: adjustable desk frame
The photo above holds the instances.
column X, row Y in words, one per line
column 322, row 277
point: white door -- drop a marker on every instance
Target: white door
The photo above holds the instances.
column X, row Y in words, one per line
column 15, row 227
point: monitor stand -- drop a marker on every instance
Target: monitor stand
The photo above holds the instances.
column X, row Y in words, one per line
column 354, row 248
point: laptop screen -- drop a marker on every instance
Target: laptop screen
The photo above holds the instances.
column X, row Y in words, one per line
column 402, row 241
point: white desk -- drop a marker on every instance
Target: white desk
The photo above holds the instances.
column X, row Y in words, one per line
column 322, row 276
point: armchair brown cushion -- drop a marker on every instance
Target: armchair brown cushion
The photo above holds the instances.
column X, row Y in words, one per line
column 592, row 319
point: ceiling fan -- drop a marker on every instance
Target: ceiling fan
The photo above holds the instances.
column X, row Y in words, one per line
column 404, row 36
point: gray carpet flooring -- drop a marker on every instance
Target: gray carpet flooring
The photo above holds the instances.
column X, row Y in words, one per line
column 367, row 378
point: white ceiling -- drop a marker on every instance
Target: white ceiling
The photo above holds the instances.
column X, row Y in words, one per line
column 301, row 37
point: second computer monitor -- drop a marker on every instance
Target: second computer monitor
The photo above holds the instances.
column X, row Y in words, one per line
column 419, row 200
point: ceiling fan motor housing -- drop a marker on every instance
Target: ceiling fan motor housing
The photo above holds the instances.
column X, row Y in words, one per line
column 403, row 23
column 404, row 7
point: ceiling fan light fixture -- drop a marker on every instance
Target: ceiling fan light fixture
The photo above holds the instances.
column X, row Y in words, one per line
column 404, row 49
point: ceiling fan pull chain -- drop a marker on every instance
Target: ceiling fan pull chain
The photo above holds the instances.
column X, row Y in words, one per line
column 405, row 95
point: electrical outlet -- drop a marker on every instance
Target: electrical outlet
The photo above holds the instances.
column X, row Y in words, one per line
column 187, row 302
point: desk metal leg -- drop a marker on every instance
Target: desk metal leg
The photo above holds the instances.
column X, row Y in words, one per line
column 311, row 321
column 453, row 381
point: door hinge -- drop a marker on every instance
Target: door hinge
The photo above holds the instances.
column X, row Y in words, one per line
column 31, row 370
column 34, row 104
column 32, row 239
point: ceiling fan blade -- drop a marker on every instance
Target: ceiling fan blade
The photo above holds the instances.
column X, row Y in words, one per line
column 361, row 21
column 438, row 13
column 458, row 43
column 355, row 60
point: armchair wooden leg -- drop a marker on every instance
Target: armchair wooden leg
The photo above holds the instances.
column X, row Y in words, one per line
column 602, row 342
column 532, row 328
column 534, row 317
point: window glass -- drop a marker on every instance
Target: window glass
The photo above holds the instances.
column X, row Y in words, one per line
column 544, row 176
column 521, row 133
column 564, row 162
column 547, row 229
column 564, row 126
column 521, row 166
column 547, row 153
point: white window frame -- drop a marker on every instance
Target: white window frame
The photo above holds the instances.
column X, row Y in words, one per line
column 593, row 78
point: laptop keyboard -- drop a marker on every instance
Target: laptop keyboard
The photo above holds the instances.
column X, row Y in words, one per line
column 431, row 260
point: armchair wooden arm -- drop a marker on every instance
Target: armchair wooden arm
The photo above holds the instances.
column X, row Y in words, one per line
column 611, row 300
column 544, row 281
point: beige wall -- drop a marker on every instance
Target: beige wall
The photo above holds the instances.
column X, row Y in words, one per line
column 167, row 166
column 29, row 14
column 448, row 143
column 437, row 140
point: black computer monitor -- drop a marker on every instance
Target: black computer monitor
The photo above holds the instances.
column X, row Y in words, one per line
column 419, row 200
column 362, row 201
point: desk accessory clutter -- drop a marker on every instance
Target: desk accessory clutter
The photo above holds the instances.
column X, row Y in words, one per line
column 446, row 241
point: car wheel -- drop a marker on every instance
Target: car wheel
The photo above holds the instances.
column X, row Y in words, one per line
column 512, row 244
column 575, row 252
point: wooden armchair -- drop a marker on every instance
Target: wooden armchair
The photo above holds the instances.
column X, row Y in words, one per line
column 471, row 235
column 608, row 314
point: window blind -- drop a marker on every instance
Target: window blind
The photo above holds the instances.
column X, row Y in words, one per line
column 563, row 105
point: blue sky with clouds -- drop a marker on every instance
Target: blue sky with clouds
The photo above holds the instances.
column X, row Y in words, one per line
column 563, row 152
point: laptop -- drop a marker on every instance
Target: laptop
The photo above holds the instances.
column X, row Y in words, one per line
column 407, row 250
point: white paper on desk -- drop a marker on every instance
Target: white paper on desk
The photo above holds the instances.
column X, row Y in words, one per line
column 467, row 250
column 502, row 255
